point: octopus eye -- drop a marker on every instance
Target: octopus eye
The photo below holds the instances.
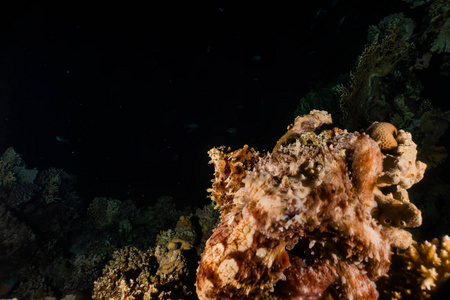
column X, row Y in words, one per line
column 290, row 215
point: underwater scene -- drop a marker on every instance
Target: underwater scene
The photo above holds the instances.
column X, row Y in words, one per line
column 225, row 151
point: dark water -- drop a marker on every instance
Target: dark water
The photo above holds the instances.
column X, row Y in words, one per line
column 131, row 98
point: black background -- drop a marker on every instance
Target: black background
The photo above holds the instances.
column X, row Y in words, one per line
column 121, row 84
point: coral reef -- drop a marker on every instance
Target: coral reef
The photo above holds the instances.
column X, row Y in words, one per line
column 129, row 274
column 16, row 182
column 163, row 271
column 418, row 272
column 301, row 224
column 55, row 244
column 103, row 211
column 151, row 274
column 16, row 242
column 54, row 183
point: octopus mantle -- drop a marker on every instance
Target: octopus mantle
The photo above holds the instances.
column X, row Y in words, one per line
column 300, row 226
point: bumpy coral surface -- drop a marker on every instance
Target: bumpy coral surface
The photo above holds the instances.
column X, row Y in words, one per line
column 301, row 223
column 384, row 134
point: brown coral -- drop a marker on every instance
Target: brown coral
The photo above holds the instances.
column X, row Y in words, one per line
column 300, row 225
column 384, row 134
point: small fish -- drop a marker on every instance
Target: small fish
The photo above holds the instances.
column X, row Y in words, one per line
column 320, row 11
column 62, row 139
column 256, row 58
column 334, row 3
column 341, row 21
column 191, row 127
column 231, row 130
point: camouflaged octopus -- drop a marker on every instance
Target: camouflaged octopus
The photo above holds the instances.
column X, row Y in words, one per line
column 299, row 224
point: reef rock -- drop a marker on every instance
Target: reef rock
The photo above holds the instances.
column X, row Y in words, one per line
column 300, row 224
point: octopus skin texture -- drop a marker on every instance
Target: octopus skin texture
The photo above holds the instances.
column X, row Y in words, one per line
column 300, row 226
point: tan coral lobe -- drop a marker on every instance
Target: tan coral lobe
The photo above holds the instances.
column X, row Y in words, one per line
column 384, row 134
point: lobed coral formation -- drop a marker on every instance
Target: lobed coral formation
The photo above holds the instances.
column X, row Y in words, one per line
column 418, row 272
column 400, row 171
column 301, row 223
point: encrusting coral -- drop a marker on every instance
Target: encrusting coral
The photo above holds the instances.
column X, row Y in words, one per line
column 301, row 222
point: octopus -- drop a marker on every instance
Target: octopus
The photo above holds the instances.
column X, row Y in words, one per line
column 299, row 225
